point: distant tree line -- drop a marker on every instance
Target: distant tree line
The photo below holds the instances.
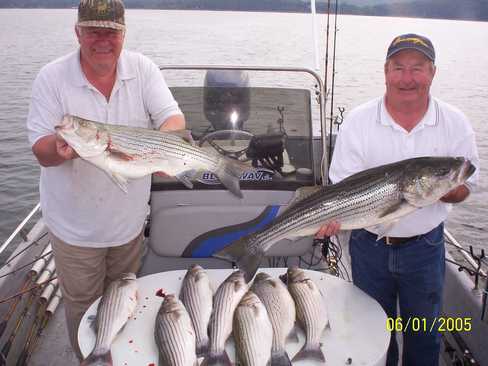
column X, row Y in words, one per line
column 448, row 9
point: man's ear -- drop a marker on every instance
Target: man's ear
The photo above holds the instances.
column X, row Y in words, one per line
column 78, row 32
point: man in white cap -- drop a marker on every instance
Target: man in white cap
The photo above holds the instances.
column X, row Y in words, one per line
column 95, row 228
column 407, row 266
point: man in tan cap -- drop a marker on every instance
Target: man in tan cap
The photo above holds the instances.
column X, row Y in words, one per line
column 95, row 228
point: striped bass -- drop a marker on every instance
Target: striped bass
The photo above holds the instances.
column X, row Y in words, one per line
column 281, row 311
column 196, row 294
column 375, row 196
column 226, row 299
column 253, row 332
column 117, row 305
column 311, row 313
column 131, row 152
column 174, row 334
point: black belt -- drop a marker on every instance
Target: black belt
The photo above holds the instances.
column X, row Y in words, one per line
column 393, row 240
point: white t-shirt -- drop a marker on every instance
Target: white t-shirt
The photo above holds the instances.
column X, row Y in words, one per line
column 370, row 137
column 80, row 204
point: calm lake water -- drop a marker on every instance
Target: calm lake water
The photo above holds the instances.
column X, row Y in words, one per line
column 31, row 38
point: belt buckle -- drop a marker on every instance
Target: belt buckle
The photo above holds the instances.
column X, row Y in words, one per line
column 387, row 240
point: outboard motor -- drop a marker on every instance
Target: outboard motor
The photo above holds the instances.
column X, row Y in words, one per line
column 226, row 98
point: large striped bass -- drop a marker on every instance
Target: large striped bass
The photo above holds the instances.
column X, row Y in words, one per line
column 130, row 152
column 375, row 196
column 117, row 305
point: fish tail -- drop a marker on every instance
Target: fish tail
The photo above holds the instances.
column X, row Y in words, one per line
column 239, row 253
column 221, row 359
column 98, row 359
column 310, row 352
column 280, row 359
column 229, row 173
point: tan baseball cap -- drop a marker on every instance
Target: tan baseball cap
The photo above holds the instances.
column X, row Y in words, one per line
column 101, row 13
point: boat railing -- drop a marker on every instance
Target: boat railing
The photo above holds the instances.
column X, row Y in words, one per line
column 19, row 228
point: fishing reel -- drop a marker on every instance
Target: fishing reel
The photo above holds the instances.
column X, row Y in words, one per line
column 266, row 151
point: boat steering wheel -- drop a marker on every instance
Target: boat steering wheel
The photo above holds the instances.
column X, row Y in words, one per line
column 211, row 136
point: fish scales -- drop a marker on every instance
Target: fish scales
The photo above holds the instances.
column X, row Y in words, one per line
column 174, row 334
column 377, row 196
column 118, row 303
column 253, row 331
column 226, row 299
column 308, row 313
column 326, row 203
column 280, row 307
column 159, row 142
column 311, row 312
column 125, row 153
column 197, row 296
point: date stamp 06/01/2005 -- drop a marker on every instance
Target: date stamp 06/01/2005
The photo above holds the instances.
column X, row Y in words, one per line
column 438, row 324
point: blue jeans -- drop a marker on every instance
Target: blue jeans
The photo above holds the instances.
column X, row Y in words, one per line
column 413, row 272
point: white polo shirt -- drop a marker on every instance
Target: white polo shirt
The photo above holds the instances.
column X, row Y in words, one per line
column 80, row 204
column 370, row 137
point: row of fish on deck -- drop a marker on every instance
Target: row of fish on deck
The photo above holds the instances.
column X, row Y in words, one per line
column 260, row 315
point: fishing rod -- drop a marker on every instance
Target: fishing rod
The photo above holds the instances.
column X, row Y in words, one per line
column 49, row 290
column 39, row 265
column 51, row 308
column 29, row 246
column 333, row 81
column 325, row 163
column 45, row 277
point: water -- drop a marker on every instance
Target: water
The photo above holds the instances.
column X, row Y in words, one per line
column 31, row 38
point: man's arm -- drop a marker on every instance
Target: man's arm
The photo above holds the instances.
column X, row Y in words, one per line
column 173, row 123
column 52, row 150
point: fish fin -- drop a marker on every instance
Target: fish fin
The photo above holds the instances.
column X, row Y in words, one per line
column 293, row 336
column 102, row 359
column 202, row 349
column 280, row 359
column 185, row 177
column 229, row 173
column 220, row 359
column 239, row 253
column 119, row 180
column 185, row 135
column 310, row 352
column 117, row 154
column 300, row 194
column 384, row 229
